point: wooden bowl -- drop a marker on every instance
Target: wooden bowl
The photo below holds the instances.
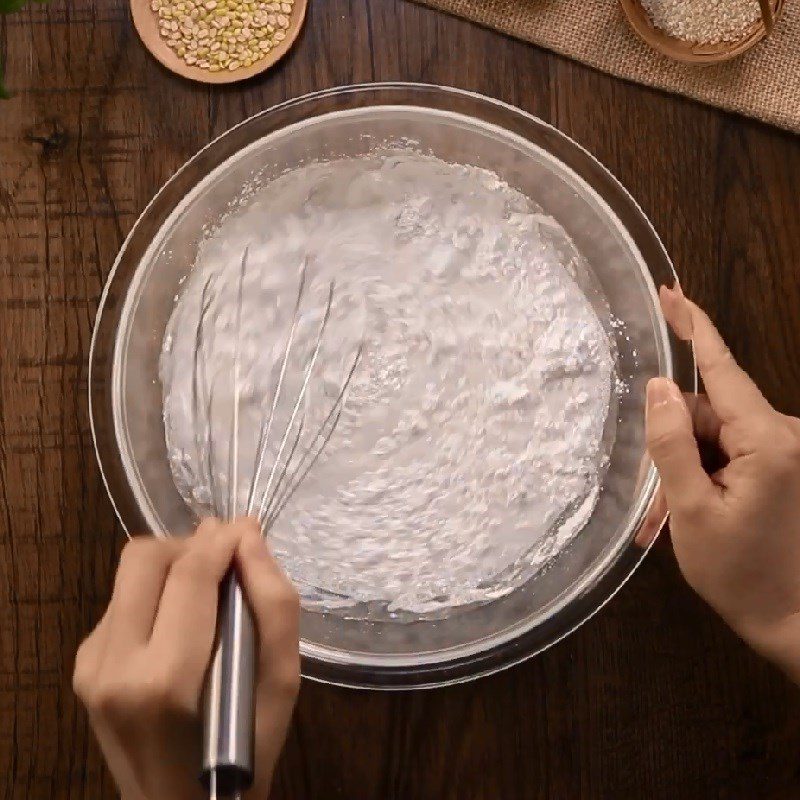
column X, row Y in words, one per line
column 146, row 24
column 697, row 53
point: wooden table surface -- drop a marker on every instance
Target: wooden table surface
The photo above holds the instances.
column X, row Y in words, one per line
column 654, row 698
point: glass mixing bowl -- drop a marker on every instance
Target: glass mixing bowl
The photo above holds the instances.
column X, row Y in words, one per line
column 626, row 262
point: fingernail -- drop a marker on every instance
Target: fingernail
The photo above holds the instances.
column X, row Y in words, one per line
column 682, row 320
column 661, row 391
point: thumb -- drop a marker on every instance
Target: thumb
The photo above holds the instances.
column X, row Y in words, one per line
column 673, row 447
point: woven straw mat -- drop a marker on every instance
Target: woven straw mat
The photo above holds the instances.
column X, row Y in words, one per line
column 763, row 83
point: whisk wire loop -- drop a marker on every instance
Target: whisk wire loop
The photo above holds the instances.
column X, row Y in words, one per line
column 271, row 485
column 309, row 369
column 263, row 439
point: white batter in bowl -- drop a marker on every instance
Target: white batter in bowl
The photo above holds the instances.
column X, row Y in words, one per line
column 471, row 448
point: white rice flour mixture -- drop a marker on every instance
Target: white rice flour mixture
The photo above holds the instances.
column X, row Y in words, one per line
column 471, row 448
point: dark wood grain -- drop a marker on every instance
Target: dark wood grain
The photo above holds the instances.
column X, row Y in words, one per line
column 654, row 698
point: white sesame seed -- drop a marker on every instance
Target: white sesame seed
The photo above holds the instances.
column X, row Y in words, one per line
column 704, row 21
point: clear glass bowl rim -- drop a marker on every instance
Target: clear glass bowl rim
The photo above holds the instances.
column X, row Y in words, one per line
column 119, row 492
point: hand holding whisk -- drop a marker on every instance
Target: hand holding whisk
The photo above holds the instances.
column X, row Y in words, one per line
column 228, row 731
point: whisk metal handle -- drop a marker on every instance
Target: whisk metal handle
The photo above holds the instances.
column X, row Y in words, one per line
column 229, row 714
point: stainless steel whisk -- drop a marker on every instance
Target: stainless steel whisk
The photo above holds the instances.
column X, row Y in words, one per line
column 229, row 716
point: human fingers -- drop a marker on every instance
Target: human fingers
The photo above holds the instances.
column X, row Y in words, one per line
column 705, row 422
column 673, row 447
column 143, row 567
column 276, row 610
column 706, row 426
column 89, row 658
column 185, row 624
column 676, row 312
column 731, row 391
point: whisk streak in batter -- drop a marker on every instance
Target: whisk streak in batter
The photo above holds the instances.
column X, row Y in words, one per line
column 471, row 448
